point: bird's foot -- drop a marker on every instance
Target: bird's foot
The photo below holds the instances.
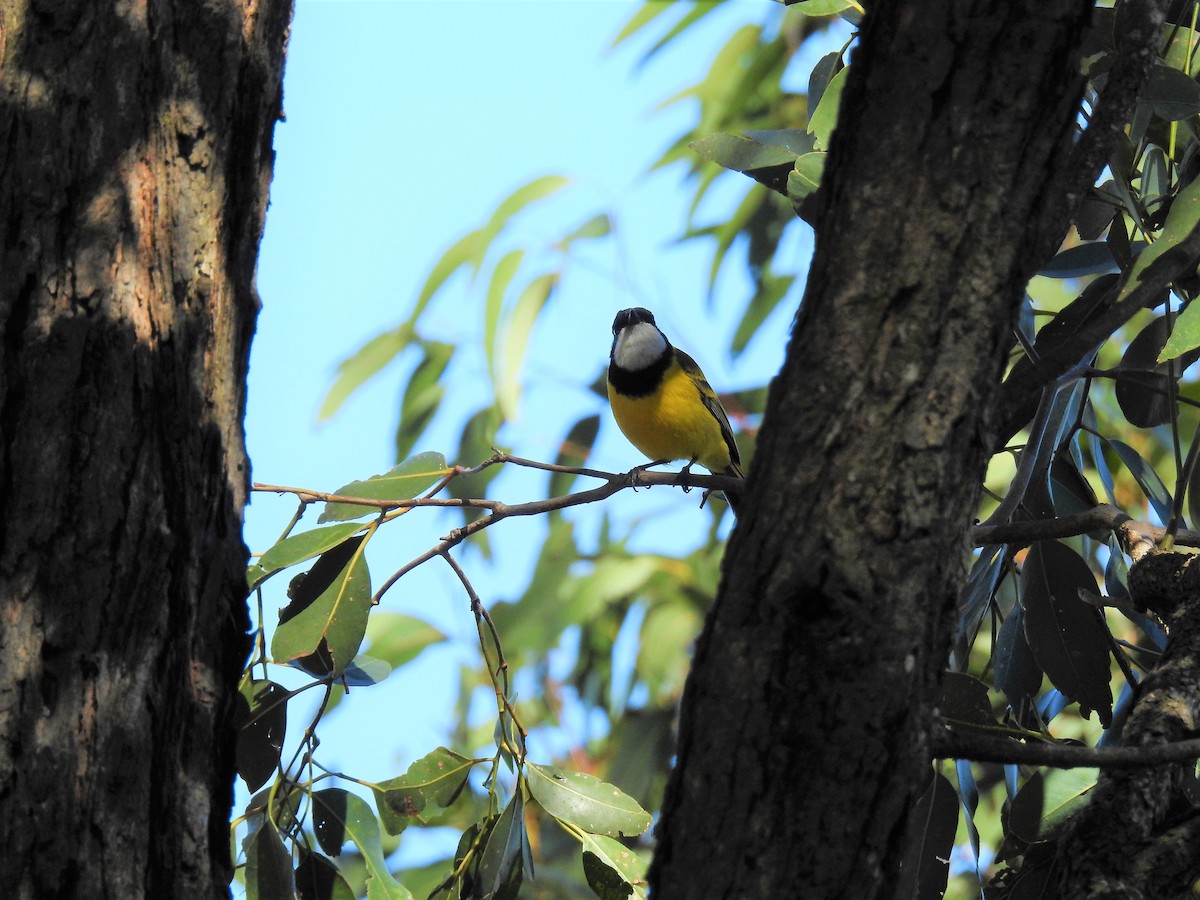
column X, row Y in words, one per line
column 636, row 471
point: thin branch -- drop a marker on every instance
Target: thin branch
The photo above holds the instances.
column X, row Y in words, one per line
column 946, row 744
column 1136, row 537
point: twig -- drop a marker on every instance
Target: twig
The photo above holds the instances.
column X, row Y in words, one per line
column 946, row 744
column 1137, row 538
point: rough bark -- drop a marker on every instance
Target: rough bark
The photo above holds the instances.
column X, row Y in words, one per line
column 135, row 158
column 1139, row 834
column 802, row 736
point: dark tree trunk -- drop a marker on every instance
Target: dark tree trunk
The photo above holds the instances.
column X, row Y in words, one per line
column 802, row 737
column 135, row 158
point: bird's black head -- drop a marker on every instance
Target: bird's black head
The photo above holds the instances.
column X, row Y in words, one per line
column 632, row 316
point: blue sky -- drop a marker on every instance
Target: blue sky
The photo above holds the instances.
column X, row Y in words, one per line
column 406, row 123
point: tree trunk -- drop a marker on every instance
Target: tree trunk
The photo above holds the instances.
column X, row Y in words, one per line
column 802, row 733
column 135, row 158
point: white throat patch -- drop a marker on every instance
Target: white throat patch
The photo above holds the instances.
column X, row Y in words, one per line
column 638, row 346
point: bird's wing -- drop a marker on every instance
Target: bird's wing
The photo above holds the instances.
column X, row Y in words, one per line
column 709, row 397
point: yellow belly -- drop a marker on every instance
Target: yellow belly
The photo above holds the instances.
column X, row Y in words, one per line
column 672, row 423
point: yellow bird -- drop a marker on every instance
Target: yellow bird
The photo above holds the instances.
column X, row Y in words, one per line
column 662, row 401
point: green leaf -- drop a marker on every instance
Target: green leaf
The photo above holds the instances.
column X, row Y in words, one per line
column 353, row 372
column 805, row 177
column 502, row 277
column 932, row 824
column 261, row 723
column 574, row 451
column 1017, row 672
column 598, row 226
column 403, row 482
column 338, row 617
column 1066, row 634
column 317, row 878
column 1141, row 386
column 1048, row 800
column 538, row 189
column 742, row 154
column 515, row 341
column 1182, row 220
column 828, row 66
column 365, row 671
column 612, row 869
column 1143, row 473
column 814, row 8
column 586, row 801
column 1092, row 258
column 824, row 118
column 339, row 816
column 505, row 854
column 1185, row 335
column 299, row 547
column 964, row 704
column 422, row 395
column 1171, row 94
column 646, row 14
column 268, row 863
column 437, row 778
column 398, row 638
column 469, row 250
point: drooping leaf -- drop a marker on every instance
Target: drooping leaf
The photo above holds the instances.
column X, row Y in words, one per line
column 1170, row 94
column 502, row 276
column 402, row 482
column 828, row 66
column 436, row 778
column 586, row 801
column 367, row 361
column 514, row 340
column 823, row 119
column 964, row 705
column 506, row 855
column 1182, row 220
column 744, row 154
column 976, row 598
column 805, row 177
column 297, row 548
column 317, row 878
column 598, row 226
column 1067, row 490
column 1067, row 635
column 1141, row 384
column 574, row 451
column 968, row 797
column 365, row 671
column 1143, row 473
column 261, row 722
column 1185, row 335
column 1093, row 258
column 612, row 870
column 339, row 816
column 816, row 8
column 337, row 618
column 932, row 824
column 1017, row 671
column 422, row 395
column 538, row 189
column 1047, row 800
column 268, row 863
column 398, row 638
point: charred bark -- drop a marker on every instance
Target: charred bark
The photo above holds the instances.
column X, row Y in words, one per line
column 135, row 158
